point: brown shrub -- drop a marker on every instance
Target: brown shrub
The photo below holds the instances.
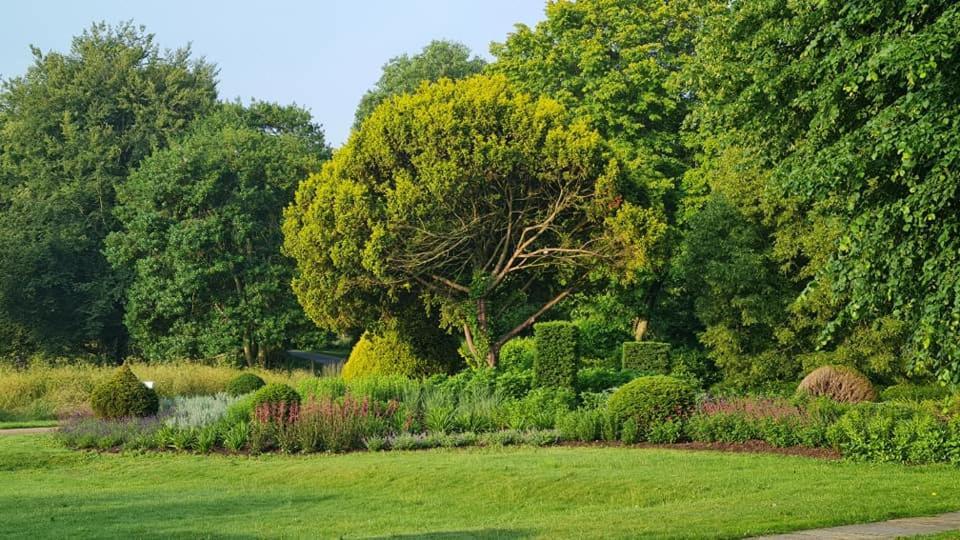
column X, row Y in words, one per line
column 840, row 383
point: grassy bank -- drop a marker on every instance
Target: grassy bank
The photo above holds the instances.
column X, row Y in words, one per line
column 506, row 493
column 46, row 392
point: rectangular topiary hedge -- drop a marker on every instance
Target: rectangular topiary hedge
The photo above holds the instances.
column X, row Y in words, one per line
column 557, row 354
column 652, row 357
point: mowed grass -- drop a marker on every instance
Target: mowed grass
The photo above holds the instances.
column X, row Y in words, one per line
column 47, row 491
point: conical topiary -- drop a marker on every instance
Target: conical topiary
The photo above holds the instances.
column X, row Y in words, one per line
column 124, row 396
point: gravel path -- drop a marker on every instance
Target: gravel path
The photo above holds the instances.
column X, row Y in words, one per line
column 895, row 528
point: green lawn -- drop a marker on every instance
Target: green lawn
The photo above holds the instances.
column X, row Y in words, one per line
column 28, row 424
column 46, row 491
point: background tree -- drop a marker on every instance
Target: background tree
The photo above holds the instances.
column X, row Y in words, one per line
column 202, row 236
column 404, row 74
column 485, row 203
column 615, row 64
column 851, row 109
column 71, row 130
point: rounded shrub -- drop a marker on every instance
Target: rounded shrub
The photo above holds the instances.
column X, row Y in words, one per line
column 518, row 354
column 652, row 399
column 839, row 383
column 387, row 353
column 914, row 392
column 244, row 384
column 122, row 396
column 274, row 393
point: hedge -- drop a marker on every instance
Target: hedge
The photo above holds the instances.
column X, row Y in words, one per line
column 557, row 357
column 650, row 357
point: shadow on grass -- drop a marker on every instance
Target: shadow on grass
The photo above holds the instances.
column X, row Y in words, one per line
column 202, row 515
column 505, row 534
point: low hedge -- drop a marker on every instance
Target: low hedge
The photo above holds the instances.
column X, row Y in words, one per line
column 557, row 355
column 650, row 399
column 649, row 357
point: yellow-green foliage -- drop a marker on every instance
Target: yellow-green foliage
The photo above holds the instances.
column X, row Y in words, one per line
column 43, row 391
column 386, row 354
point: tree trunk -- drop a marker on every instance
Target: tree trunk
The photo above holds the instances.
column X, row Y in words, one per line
column 249, row 349
column 640, row 329
column 493, row 355
column 262, row 353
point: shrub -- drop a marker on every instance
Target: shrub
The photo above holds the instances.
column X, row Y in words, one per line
column 538, row 409
column 665, row 431
column 840, row 383
column 557, row 355
column 124, row 396
column 914, row 392
column 196, row 411
column 244, row 384
column 273, row 394
column 891, row 433
column 694, row 365
column 518, row 354
column 514, row 384
column 388, row 353
column 651, row 399
column 650, row 357
column 598, row 379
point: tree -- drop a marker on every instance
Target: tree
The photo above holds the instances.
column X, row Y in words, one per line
column 616, row 65
column 852, row 108
column 71, row 130
column 404, row 74
column 480, row 201
column 201, row 235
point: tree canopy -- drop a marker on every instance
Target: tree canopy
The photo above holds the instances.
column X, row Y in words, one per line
column 201, row 236
column 852, row 109
column 474, row 197
column 71, row 129
column 403, row 74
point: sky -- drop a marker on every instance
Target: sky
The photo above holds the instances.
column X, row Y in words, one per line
column 322, row 55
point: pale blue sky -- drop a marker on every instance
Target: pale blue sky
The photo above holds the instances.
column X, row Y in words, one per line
column 322, row 55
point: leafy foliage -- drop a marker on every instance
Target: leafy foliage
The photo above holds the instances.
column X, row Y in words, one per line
column 854, row 108
column 244, row 384
column 402, row 75
column 201, row 237
column 388, row 353
column 557, row 357
column 273, row 394
column 651, row 399
column 71, row 130
column 650, row 357
column 124, row 396
column 480, row 200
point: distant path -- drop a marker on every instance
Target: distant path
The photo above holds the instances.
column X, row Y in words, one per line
column 895, row 528
column 27, row 431
column 316, row 358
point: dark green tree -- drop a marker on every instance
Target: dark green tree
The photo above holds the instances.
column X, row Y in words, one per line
column 71, row 129
column 202, row 237
column 404, row 74
column 851, row 108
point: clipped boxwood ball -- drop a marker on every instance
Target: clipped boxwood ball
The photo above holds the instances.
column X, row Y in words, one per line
column 652, row 399
column 123, row 396
column 244, row 384
column 275, row 393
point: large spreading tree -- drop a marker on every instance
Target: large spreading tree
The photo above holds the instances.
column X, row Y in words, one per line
column 201, row 237
column 71, row 130
column 484, row 203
